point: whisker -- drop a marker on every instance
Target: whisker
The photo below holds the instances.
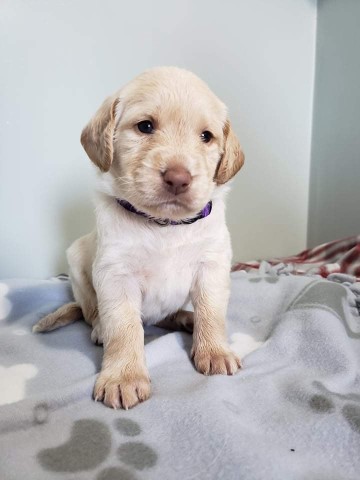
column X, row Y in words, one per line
column 150, row 167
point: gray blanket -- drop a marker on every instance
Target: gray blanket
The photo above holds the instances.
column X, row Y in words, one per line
column 293, row 412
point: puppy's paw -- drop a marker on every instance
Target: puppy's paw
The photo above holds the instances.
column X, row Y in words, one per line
column 213, row 362
column 96, row 335
column 124, row 390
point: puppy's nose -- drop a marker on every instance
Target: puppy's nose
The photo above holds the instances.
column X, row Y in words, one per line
column 177, row 180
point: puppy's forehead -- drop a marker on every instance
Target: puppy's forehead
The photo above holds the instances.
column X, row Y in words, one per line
column 173, row 92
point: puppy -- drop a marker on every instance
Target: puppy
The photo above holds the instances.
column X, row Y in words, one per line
column 165, row 149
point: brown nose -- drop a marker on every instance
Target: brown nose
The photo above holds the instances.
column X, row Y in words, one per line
column 177, row 180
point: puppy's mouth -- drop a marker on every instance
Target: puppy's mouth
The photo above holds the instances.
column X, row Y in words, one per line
column 178, row 207
column 172, row 208
column 156, row 200
column 173, row 202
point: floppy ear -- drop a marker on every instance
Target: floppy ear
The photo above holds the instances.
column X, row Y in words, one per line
column 232, row 158
column 97, row 136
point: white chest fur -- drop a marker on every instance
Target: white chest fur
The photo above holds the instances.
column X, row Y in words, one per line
column 167, row 278
column 162, row 261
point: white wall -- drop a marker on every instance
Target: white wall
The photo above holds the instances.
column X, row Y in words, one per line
column 59, row 59
column 335, row 167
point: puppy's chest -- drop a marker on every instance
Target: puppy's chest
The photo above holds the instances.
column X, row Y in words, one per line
column 166, row 275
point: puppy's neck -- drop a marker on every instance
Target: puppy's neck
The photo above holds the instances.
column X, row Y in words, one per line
column 205, row 212
column 107, row 188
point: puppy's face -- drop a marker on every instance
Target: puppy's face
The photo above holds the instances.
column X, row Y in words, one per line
column 166, row 142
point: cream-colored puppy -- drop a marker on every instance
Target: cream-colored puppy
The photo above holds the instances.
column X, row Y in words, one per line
column 165, row 148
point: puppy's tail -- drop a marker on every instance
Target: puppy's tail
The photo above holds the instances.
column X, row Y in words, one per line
column 64, row 315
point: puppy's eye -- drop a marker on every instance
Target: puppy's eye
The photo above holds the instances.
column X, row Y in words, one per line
column 206, row 136
column 145, row 127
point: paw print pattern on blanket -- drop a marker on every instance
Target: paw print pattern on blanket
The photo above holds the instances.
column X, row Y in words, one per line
column 115, row 473
column 268, row 279
column 350, row 411
column 89, row 446
column 5, row 303
column 328, row 296
column 243, row 343
column 324, row 401
column 13, row 382
column 321, row 404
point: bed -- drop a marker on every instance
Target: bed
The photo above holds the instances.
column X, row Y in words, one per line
column 292, row 412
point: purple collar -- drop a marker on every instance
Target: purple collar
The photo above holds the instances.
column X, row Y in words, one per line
column 166, row 221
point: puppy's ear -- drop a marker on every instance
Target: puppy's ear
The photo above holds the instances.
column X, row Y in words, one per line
column 97, row 136
column 232, row 158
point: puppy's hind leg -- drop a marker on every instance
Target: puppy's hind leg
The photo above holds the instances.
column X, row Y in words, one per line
column 64, row 315
column 182, row 321
column 80, row 256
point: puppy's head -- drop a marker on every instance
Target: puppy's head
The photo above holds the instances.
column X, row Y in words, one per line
column 166, row 142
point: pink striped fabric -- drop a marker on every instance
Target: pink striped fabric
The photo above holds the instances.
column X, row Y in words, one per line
column 339, row 256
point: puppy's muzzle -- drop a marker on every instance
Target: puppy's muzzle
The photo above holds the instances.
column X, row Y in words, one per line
column 177, row 180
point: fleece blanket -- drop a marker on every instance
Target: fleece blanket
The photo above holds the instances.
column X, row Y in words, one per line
column 292, row 412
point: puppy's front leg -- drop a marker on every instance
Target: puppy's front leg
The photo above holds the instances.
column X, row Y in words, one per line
column 124, row 379
column 210, row 293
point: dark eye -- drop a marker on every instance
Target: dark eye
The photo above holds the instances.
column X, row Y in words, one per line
column 145, row 127
column 206, row 136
